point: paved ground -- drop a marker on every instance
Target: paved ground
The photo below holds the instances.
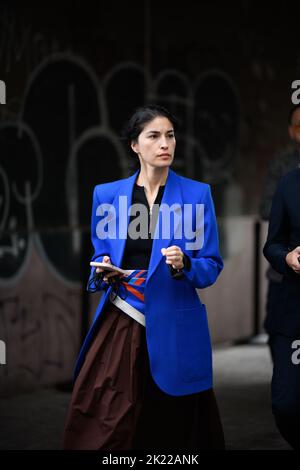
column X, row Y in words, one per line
column 242, row 378
column 242, row 385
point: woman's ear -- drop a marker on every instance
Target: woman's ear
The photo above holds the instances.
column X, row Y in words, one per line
column 134, row 146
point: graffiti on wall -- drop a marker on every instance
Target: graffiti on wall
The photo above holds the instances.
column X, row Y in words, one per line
column 64, row 141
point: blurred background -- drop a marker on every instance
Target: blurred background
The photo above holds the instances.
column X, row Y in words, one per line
column 74, row 71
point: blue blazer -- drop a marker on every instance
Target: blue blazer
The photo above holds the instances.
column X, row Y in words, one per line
column 177, row 331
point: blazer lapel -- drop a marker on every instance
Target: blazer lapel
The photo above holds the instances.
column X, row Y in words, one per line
column 172, row 198
column 121, row 204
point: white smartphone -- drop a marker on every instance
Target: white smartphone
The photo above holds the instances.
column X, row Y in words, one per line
column 108, row 267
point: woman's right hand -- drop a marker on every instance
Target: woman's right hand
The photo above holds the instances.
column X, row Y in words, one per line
column 106, row 259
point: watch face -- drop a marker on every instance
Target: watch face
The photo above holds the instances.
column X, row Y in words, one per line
column 178, row 275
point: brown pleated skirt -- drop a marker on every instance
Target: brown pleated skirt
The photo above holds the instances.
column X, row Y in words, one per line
column 116, row 405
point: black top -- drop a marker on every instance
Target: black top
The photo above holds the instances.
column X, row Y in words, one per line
column 138, row 252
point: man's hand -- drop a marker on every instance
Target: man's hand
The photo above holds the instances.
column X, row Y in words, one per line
column 174, row 256
column 292, row 259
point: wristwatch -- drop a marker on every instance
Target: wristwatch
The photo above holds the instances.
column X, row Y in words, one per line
column 179, row 273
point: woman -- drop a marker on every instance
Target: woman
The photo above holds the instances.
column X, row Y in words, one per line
column 144, row 373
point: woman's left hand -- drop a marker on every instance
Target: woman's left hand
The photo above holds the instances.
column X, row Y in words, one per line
column 174, row 256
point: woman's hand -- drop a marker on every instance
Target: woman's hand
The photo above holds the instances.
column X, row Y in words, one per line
column 174, row 256
column 292, row 259
column 106, row 259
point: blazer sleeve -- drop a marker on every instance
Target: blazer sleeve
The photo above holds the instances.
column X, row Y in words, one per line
column 206, row 263
column 99, row 250
column 277, row 245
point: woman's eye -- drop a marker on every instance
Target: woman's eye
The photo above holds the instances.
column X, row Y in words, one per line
column 169, row 136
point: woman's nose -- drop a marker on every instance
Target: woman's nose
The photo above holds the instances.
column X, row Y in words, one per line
column 164, row 143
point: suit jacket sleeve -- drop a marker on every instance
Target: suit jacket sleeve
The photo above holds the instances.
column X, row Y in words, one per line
column 277, row 245
column 98, row 246
column 206, row 263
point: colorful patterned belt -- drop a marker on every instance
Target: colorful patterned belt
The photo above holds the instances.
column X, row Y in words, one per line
column 127, row 292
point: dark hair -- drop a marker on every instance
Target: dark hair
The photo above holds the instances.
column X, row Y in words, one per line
column 291, row 112
column 138, row 120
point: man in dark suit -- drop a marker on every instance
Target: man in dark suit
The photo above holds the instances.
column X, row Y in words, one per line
column 285, row 161
column 282, row 250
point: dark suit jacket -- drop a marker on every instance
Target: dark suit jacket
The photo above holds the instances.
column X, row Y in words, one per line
column 284, row 236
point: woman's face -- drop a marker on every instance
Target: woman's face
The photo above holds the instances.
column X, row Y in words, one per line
column 156, row 143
